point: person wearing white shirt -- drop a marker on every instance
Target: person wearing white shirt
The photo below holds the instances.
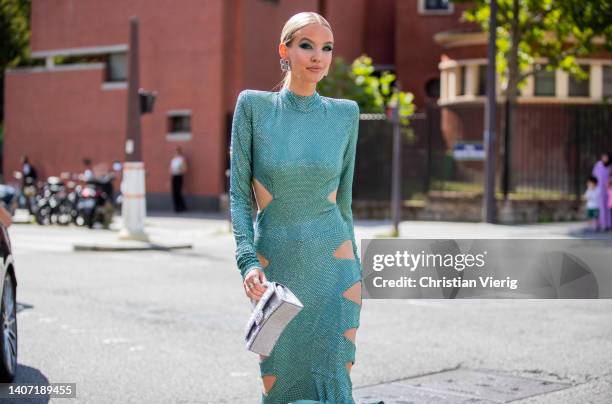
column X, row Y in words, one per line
column 178, row 168
column 592, row 195
column 88, row 174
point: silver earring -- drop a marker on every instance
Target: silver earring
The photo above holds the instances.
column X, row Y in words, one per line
column 284, row 63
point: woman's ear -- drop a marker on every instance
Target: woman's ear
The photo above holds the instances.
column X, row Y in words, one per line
column 282, row 51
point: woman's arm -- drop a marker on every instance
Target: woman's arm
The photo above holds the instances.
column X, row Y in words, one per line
column 344, row 197
column 240, row 186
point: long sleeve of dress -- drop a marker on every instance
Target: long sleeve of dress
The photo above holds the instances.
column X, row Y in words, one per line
column 241, row 206
column 344, row 197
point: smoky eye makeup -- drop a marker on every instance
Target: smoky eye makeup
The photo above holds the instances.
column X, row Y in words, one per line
column 307, row 45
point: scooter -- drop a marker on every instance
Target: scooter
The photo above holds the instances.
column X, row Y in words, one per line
column 95, row 203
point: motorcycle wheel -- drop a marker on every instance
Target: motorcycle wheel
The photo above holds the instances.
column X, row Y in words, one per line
column 41, row 217
column 90, row 219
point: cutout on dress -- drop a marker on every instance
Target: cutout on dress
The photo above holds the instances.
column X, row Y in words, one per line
column 350, row 334
column 354, row 293
column 332, row 196
column 262, row 195
column 268, row 382
column 345, row 250
column 349, row 365
column 262, row 260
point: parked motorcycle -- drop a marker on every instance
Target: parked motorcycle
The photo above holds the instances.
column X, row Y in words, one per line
column 95, row 204
column 53, row 205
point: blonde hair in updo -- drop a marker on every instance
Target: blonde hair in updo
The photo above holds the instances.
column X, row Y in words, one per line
column 295, row 23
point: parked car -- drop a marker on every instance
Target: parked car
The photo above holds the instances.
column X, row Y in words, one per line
column 8, row 303
column 8, row 197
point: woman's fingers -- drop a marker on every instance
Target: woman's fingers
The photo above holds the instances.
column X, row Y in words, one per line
column 256, row 291
column 254, row 285
column 259, row 287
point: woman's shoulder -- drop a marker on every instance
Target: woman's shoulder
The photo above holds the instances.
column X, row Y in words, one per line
column 343, row 105
column 251, row 96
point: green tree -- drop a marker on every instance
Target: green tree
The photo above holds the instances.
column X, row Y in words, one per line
column 358, row 82
column 555, row 30
column 14, row 43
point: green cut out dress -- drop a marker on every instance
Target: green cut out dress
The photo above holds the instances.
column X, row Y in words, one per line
column 301, row 149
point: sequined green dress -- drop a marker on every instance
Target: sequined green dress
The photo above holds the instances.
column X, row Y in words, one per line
column 299, row 152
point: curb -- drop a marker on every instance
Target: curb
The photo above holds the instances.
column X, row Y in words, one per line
column 142, row 247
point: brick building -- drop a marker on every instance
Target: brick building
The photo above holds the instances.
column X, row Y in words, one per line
column 198, row 55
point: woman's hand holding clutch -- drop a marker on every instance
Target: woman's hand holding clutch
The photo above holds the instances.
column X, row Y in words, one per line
column 255, row 284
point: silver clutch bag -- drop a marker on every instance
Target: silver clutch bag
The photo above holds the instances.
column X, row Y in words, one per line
column 271, row 314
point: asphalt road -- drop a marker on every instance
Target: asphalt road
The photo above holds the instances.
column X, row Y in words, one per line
column 161, row 327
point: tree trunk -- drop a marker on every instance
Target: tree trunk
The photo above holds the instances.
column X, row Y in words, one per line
column 511, row 96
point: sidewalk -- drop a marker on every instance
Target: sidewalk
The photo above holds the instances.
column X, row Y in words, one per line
column 408, row 229
column 190, row 230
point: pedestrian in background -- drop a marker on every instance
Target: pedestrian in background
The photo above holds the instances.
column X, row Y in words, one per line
column 88, row 174
column 602, row 173
column 592, row 202
column 610, row 200
column 28, row 172
column 178, row 169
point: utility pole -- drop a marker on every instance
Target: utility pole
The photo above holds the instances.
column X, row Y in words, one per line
column 396, row 170
column 133, row 207
column 489, row 121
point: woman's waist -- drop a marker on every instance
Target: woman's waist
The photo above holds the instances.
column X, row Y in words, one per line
column 300, row 224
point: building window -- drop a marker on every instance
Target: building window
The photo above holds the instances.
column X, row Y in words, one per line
column 432, row 88
column 544, row 81
column 579, row 88
column 482, row 79
column 116, row 67
column 179, row 123
column 463, row 80
column 435, row 7
column 607, row 81
column 436, row 4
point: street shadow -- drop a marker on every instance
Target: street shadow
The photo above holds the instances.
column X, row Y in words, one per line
column 372, row 222
column 23, row 306
column 26, row 375
column 586, row 233
column 187, row 215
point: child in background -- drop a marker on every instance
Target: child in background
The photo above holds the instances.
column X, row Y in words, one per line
column 592, row 202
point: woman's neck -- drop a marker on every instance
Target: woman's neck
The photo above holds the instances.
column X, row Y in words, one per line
column 303, row 89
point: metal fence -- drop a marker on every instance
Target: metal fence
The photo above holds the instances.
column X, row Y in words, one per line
column 551, row 154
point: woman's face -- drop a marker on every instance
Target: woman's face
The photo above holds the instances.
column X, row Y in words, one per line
column 309, row 53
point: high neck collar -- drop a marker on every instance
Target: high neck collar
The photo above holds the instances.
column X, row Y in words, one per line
column 303, row 103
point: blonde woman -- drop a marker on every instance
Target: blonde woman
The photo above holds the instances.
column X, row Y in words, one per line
column 296, row 150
